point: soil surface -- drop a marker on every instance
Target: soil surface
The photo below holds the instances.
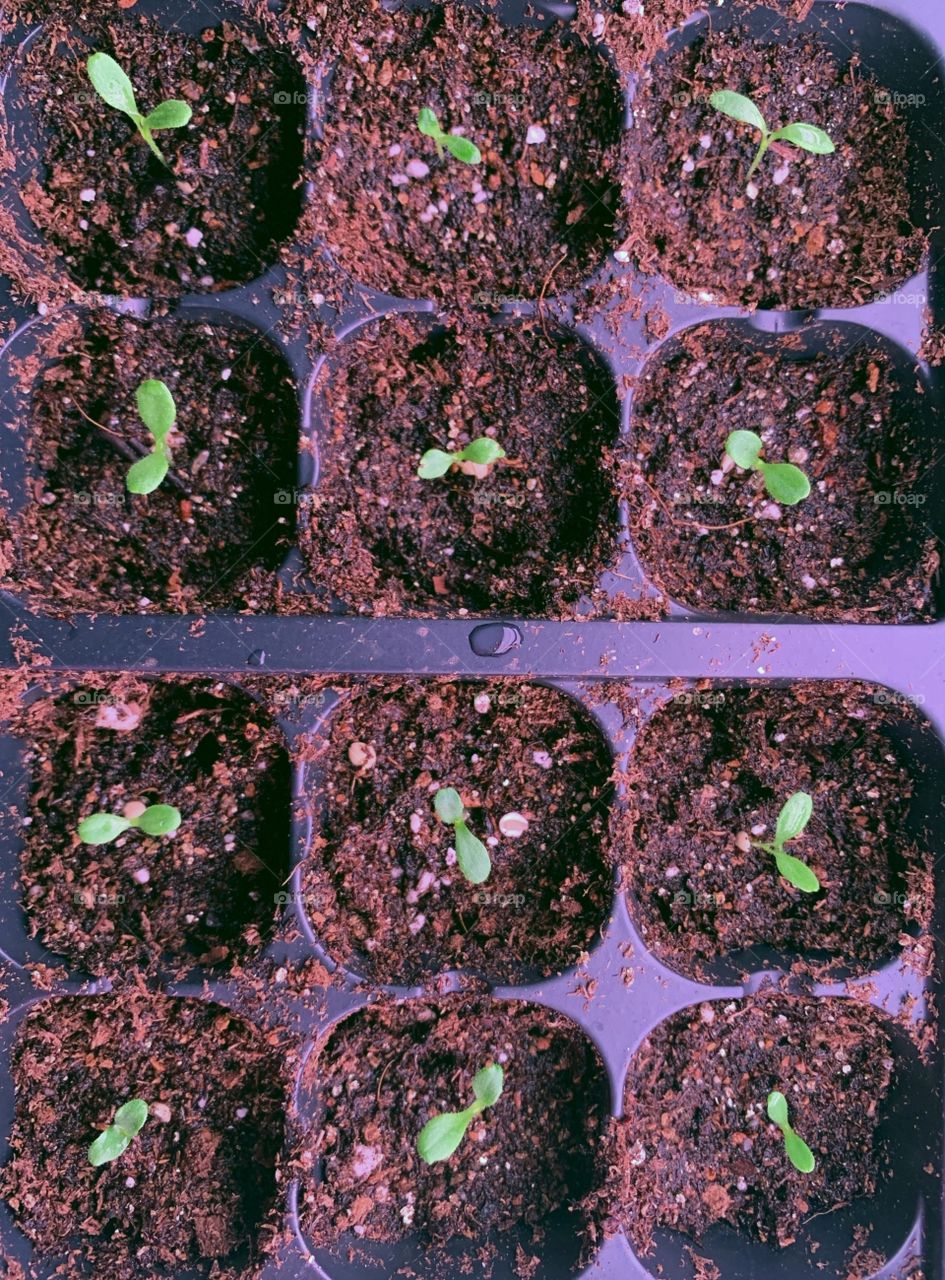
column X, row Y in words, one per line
column 216, row 530
column 383, row 889
column 810, row 230
column 214, row 214
column 198, row 1183
column 697, row 1146
column 386, row 1071
column 536, row 215
column 711, row 771
column 861, row 547
column 533, row 533
column 207, row 893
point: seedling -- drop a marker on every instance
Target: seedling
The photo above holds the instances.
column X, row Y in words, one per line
column 113, row 86
column 459, row 147
column 785, row 483
column 798, row 1152
column 102, row 828
column 436, row 462
column 440, row 1136
column 158, row 413
column 806, row 136
column 471, row 854
column 114, row 1141
column 792, row 820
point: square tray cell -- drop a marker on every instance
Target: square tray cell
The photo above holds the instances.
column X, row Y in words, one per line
column 508, row 1200
column 529, row 532
column 204, row 895
column 196, row 1190
column 209, row 215
column 851, row 409
column 707, row 775
column 380, row 885
column 216, row 532
column 803, row 230
column 698, row 1154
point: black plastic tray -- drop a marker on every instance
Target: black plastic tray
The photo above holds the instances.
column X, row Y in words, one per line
column 902, row 43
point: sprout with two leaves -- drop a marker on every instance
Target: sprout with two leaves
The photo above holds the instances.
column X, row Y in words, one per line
column 459, row 147
column 436, row 462
column 798, row 1152
column 785, row 483
column 155, row 820
column 113, row 86
column 806, row 136
column 440, row 1136
column 793, row 818
column 115, row 1140
column 472, row 856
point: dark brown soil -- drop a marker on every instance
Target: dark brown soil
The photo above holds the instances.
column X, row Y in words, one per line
column 384, row 891
column 528, row 1160
column 191, row 1191
column 859, row 548
column 214, row 533
column 711, row 767
column 209, row 890
column 533, row 214
column 231, row 175
column 813, row 231
column 697, row 1146
column 533, row 534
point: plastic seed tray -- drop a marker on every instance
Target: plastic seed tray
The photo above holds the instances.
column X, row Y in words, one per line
column 902, row 44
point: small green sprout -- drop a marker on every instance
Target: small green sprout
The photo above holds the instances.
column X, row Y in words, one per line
column 102, row 828
column 792, row 820
column 785, row 482
column 798, row 1152
column 113, row 86
column 459, row 147
column 436, row 462
column 158, row 413
column 471, row 854
column 114, row 1141
column 806, row 136
column 440, row 1136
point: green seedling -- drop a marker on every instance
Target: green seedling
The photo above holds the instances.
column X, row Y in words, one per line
column 440, row 1136
column 436, row 462
column 113, row 86
column 471, row 854
column 806, row 136
column 158, row 413
column 792, row 820
column 114, row 1141
column 798, row 1152
column 102, row 828
column 785, row 483
column 459, row 147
